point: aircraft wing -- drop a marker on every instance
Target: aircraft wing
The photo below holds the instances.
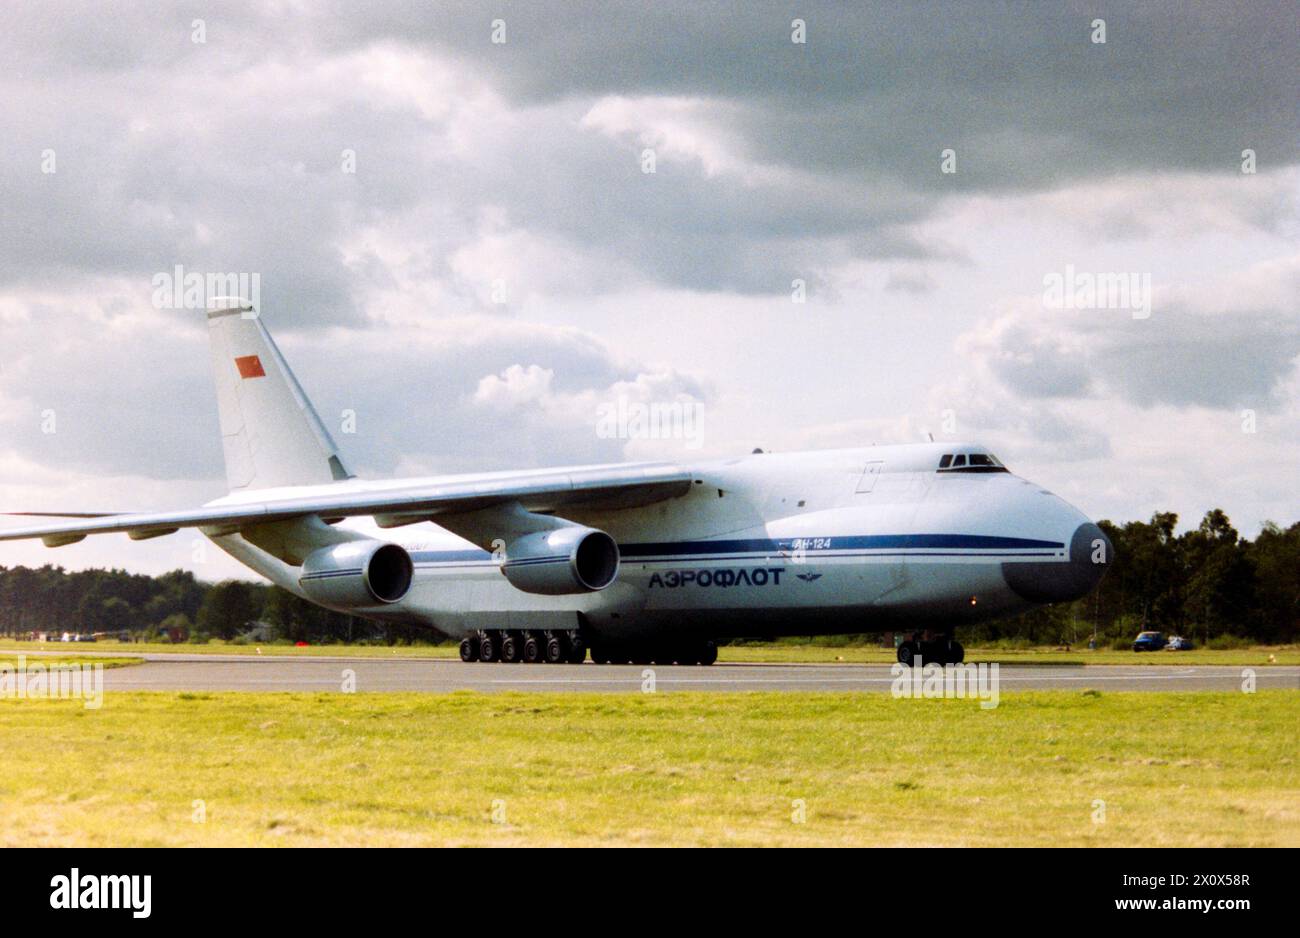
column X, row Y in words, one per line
column 542, row 491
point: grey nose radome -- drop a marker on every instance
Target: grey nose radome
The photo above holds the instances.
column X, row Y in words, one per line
column 1061, row 581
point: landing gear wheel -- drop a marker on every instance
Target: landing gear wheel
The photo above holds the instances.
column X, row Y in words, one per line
column 708, row 653
column 577, row 649
column 598, row 654
column 956, row 654
column 556, row 653
column 511, row 648
column 534, row 650
column 906, row 654
column 488, row 648
column 469, row 648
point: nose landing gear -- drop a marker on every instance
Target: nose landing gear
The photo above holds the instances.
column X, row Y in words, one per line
column 926, row 647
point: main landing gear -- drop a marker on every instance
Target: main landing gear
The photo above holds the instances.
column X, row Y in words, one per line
column 531, row 646
column 930, row 648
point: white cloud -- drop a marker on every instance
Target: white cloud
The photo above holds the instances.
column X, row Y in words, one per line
column 515, row 386
column 689, row 130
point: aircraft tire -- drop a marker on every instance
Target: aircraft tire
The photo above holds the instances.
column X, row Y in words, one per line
column 469, row 649
column 556, row 653
column 511, row 648
column 489, row 649
column 708, row 654
column 534, row 651
column 906, row 654
column 577, row 649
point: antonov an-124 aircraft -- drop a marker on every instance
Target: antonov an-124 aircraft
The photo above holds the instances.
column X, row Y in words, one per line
column 638, row 562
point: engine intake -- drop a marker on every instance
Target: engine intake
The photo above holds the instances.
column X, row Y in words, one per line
column 357, row 573
column 566, row 560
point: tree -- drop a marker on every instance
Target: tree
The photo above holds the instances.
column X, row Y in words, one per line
column 228, row 608
column 115, row 615
column 177, row 623
column 1275, row 560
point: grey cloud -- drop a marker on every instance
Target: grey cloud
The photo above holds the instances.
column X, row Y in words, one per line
column 124, row 402
column 1019, row 89
column 1225, row 361
column 857, row 116
column 1179, row 356
column 140, row 401
column 419, row 406
column 916, row 282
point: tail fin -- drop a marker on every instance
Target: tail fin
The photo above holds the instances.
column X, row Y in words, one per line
column 271, row 434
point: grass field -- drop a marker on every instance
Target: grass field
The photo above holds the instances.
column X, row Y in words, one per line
column 371, row 769
column 774, row 652
column 65, row 661
column 867, row 654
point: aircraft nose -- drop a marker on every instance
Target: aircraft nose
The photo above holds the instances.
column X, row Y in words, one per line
column 1058, row 582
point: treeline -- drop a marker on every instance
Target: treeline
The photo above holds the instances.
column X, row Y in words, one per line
column 1209, row 584
column 53, row 601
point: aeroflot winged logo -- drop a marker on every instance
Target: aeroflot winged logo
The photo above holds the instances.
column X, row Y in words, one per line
column 77, row 891
column 250, row 366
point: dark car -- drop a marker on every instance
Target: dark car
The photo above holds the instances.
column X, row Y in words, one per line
column 1149, row 641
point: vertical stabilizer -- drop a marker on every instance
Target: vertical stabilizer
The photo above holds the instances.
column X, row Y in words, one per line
column 271, row 434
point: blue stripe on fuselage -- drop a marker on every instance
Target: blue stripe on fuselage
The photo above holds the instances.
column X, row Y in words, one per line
column 849, row 542
column 834, row 546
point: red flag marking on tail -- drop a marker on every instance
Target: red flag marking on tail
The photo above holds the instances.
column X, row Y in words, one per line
column 250, row 366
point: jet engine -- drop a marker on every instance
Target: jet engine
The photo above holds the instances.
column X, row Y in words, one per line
column 357, row 573
column 571, row 559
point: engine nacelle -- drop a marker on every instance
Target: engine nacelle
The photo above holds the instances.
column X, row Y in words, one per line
column 566, row 560
column 357, row 573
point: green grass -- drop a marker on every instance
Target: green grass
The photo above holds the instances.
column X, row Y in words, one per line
column 370, row 769
column 773, row 652
column 223, row 648
column 64, row 661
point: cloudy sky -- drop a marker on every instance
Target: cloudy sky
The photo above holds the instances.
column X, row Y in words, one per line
column 457, row 239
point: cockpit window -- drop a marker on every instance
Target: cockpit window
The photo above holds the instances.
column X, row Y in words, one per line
column 970, row 462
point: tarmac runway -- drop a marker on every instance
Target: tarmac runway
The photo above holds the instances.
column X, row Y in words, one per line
column 270, row 673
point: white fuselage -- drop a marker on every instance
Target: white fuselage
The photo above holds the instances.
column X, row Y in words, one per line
column 770, row 544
